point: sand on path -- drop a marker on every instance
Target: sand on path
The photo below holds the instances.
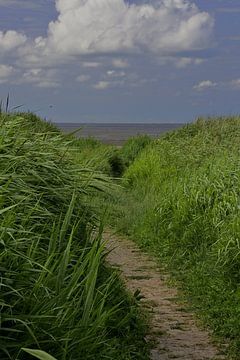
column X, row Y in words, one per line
column 173, row 329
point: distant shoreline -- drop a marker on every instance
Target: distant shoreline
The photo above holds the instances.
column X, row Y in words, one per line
column 117, row 133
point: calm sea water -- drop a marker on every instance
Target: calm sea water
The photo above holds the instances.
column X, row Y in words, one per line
column 117, row 134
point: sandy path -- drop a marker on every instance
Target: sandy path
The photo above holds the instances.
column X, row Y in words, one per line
column 173, row 329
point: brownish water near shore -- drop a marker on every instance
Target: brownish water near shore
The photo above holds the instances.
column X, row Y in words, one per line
column 117, row 134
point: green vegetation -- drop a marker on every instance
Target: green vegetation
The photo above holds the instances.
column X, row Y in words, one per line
column 106, row 158
column 100, row 157
column 182, row 204
column 179, row 199
column 133, row 147
column 58, row 299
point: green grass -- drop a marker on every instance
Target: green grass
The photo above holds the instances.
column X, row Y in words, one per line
column 98, row 156
column 133, row 147
column 182, row 204
column 179, row 199
column 107, row 158
column 56, row 293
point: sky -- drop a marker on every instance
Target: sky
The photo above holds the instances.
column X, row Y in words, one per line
column 141, row 61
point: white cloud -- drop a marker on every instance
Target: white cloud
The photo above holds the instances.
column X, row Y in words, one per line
column 224, row 85
column 116, row 74
column 31, row 76
column 113, row 26
column 111, row 72
column 10, row 40
column 206, row 84
column 101, row 85
column 91, row 64
column 120, row 63
column 83, row 78
column 235, row 83
column 198, row 61
column 40, row 78
column 185, row 61
column 96, row 28
column 180, row 62
column 5, row 72
column 47, row 84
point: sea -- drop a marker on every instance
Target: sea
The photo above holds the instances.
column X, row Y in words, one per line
column 116, row 134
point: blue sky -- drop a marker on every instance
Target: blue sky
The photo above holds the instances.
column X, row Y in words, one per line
column 113, row 61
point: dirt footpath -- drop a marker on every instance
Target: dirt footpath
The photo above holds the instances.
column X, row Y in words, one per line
column 173, row 329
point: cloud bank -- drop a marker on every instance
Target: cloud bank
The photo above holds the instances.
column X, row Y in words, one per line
column 85, row 27
column 91, row 32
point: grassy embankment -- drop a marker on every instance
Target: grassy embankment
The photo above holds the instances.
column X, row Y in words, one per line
column 182, row 203
column 57, row 294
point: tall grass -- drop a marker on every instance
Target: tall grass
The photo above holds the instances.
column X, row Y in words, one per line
column 56, row 295
column 182, row 202
column 99, row 156
column 133, row 147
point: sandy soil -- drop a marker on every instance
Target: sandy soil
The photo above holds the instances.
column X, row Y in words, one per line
column 173, row 328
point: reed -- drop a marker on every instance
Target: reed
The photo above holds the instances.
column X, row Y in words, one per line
column 58, row 299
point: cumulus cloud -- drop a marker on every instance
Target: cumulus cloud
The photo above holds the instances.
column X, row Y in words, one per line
column 111, row 26
column 235, row 83
column 120, row 63
column 101, row 85
column 10, row 40
column 5, row 72
column 47, row 84
column 224, row 85
column 40, row 77
column 91, row 64
column 180, row 62
column 116, row 74
column 206, row 84
column 83, row 78
column 102, row 33
column 185, row 61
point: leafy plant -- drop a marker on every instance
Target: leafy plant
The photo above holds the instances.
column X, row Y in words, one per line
column 39, row 354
